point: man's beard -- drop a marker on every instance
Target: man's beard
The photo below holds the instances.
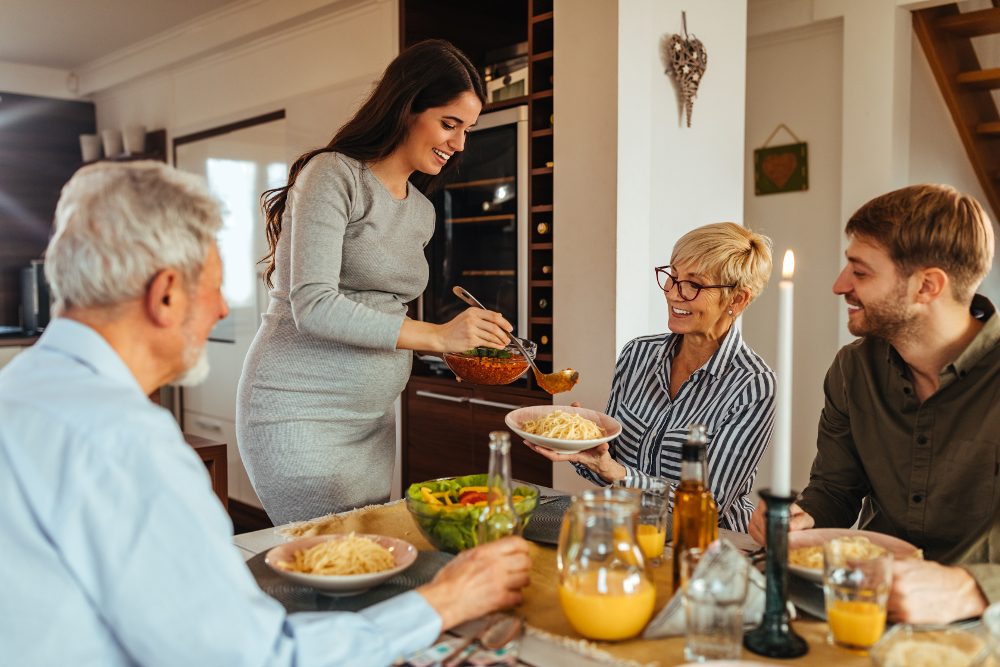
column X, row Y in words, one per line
column 196, row 365
column 886, row 318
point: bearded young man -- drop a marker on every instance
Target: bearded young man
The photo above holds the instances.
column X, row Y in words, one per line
column 909, row 437
column 115, row 549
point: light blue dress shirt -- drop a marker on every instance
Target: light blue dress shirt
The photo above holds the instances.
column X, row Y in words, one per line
column 114, row 549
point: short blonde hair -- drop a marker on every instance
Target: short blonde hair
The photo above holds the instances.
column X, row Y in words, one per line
column 924, row 226
column 730, row 254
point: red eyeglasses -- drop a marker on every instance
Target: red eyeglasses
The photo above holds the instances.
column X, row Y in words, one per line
column 687, row 290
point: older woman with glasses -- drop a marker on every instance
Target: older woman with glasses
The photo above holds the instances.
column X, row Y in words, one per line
column 700, row 373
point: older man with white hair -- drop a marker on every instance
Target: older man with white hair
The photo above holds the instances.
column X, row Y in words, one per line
column 115, row 551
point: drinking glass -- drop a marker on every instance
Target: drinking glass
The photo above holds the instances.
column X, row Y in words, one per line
column 654, row 514
column 715, row 583
column 605, row 584
column 856, row 588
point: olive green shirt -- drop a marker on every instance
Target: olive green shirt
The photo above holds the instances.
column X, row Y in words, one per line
column 924, row 472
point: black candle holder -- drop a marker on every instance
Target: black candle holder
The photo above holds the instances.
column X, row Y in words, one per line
column 775, row 638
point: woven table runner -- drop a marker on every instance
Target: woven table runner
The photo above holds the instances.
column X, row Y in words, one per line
column 541, row 606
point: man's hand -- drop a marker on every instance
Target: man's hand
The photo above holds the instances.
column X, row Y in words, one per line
column 924, row 592
column 479, row 581
column 798, row 520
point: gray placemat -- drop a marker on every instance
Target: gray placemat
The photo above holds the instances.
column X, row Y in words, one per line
column 807, row 596
column 302, row 598
column 546, row 521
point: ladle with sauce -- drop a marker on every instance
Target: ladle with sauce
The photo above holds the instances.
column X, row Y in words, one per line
column 554, row 383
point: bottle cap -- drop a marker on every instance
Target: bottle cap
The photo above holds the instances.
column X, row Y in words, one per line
column 697, row 440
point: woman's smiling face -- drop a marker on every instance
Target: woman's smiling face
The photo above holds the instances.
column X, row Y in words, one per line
column 438, row 133
column 705, row 314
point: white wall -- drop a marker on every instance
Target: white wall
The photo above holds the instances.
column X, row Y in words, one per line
column 631, row 176
column 894, row 130
column 35, row 80
column 673, row 178
column 584, row 181
column 315, row 71
column 795, row 77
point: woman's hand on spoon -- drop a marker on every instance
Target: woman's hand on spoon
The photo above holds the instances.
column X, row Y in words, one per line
column 473, row 328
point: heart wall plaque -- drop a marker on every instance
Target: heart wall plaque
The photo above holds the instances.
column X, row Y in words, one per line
column 781, row 169
column 685, row 58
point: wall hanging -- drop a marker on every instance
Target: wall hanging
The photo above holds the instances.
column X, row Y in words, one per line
column 686, row 59
column 781, row 168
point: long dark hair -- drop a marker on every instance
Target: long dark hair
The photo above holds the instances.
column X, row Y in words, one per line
column 426, row 75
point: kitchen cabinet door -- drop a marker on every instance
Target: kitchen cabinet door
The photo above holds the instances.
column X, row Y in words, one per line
column 489, row 409
column 438, row 437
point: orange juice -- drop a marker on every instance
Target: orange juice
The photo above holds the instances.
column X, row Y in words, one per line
column 625, row 546
column 857, row 624
column 651, row 540
column 607, row 605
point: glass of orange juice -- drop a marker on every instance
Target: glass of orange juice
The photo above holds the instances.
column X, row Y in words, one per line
column 856, row 583
column 605, row 585
column 654, row 517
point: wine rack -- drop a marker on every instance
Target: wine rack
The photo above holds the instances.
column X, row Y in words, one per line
column 541, row 86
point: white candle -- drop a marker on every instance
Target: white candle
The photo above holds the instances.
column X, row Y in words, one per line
column 781, row 473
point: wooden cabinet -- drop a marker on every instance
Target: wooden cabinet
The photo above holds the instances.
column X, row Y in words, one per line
column 447, row 425
column 214, row 455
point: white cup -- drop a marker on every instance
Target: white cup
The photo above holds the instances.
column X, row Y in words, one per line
column 112, row 143
column 135, row 139
column 90, row 147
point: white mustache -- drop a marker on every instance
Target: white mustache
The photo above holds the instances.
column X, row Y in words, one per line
column 197, row 373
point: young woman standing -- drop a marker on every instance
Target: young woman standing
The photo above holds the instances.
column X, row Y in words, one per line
column 315, row 412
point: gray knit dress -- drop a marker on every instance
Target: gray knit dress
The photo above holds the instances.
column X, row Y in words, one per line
column 315, row 420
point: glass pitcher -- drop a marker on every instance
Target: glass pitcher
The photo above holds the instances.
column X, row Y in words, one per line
column 605, row 583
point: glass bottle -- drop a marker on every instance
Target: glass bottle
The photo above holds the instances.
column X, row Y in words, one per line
column 696, row 516
column 605, row 583
column 499, row 518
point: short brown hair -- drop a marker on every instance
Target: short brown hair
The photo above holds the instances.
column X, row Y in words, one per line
column 924, row 226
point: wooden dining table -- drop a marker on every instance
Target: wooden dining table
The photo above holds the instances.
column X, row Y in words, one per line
column 539, row 649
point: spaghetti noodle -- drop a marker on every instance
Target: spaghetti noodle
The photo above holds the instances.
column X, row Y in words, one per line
column 347, row 555
column 564, row 426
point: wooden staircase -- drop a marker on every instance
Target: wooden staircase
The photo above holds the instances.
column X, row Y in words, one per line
column 945, row 35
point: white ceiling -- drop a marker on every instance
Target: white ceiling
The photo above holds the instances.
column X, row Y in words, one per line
column 69, row 33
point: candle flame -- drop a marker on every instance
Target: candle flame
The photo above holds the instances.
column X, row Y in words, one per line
column 788, row 266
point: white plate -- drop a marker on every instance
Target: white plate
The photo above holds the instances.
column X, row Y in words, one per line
column 516, row 419
column 803, row 539
column 342, row 585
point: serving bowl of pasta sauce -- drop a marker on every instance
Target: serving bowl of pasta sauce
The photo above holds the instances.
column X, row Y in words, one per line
column 485, row 365
column 563, row 428
column 310, row 562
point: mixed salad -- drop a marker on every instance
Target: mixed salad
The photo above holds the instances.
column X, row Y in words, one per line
column 448, row 511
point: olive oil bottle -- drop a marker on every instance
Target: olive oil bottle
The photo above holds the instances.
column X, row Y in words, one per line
column 696, row 516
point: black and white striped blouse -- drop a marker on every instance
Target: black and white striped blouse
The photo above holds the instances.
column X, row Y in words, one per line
column 732, row 395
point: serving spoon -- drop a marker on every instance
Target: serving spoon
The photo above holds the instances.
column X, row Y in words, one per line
column 554, row 383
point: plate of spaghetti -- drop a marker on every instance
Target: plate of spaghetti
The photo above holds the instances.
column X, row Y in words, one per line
column 563, row 427
column 805, row 548
column 341, row 565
